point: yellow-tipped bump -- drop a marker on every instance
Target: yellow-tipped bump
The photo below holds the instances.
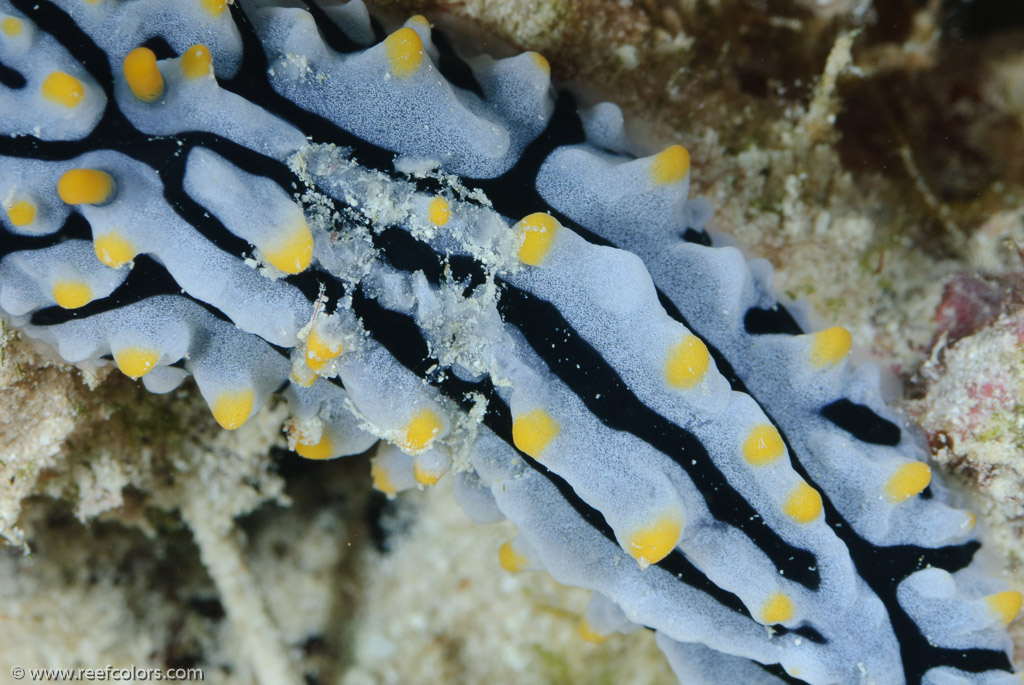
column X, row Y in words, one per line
column 136, row 362
column 294, row 250
column 320, row 351
column 763, row 445
column 588, row 633
column 652, row 544
column 143, row 75
column 909, row 480
column 424, row 427
column 382, row 479
column 803, row 504
column 532, row 432
column 196, row 62
column 1005, row 605
column 64, row 89
column 425, row 476
column 670, row 165
column 86, row 187
column 537, row 231
column 541, row 62
column 439, row 212
column 830, row 346
column 302, row 375
column 113, row 249
column 21, row 213
column 11, row 26
column 687, row 363
column 232, row 408
column 511, row 560
column 214, row 7
column 405, row 51
column 420, row 20
column 72, row 294
column 778, row 608
column 324, row 449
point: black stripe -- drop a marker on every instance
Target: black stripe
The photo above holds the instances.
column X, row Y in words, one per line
column 11, row 78
column 333, row 36
column 582, row 368
column 775, row 320
column 453, row 68
column 862, row 423
column 400, row 336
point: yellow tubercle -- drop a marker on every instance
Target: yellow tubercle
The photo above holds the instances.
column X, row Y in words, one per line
column 588, row 633
column 537, row 232
column 11, row 26
column 143, row 75
column 511, row 560
column 439, row 212
column 302, row 375
column 778, row 608
column 1005, row 605
column 86, row 187
column 232, row 408
column 541, row 62
column 830, row 346
column 763, row 445
column 405, row 52
column 909, row 480
column 72, row 294
column 214, row 7
column 422, row 429
column 419, row 19
column 64, row 89
column 21, row 213
column 688, row 361
column 113, row 249
column 136, row 362
column 324, row 449
column 382, row 479
column 196, row 62
column 670, row 165
column 653, row 543
column 293, row 251
column 425, row 476
column 803, row 504
column 320, row 351
column 532, row 431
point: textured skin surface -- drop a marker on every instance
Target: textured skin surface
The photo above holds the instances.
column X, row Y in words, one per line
column 654, row 422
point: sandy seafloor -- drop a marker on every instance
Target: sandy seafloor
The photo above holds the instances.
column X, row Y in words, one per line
column 871, row 151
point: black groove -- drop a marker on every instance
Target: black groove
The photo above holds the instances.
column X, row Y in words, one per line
column 11, row 78
column 697, row 237
column 146, row 279
column 862, row 423
column 400, row 335
column 333, row 36
column 776, row 320
column 75, row 227
column 582, row 368
column 454, row 69
column 160, row 47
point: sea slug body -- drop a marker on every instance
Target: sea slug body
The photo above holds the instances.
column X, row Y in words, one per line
column 445, row 254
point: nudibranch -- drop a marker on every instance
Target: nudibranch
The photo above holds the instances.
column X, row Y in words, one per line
column 445, row 254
